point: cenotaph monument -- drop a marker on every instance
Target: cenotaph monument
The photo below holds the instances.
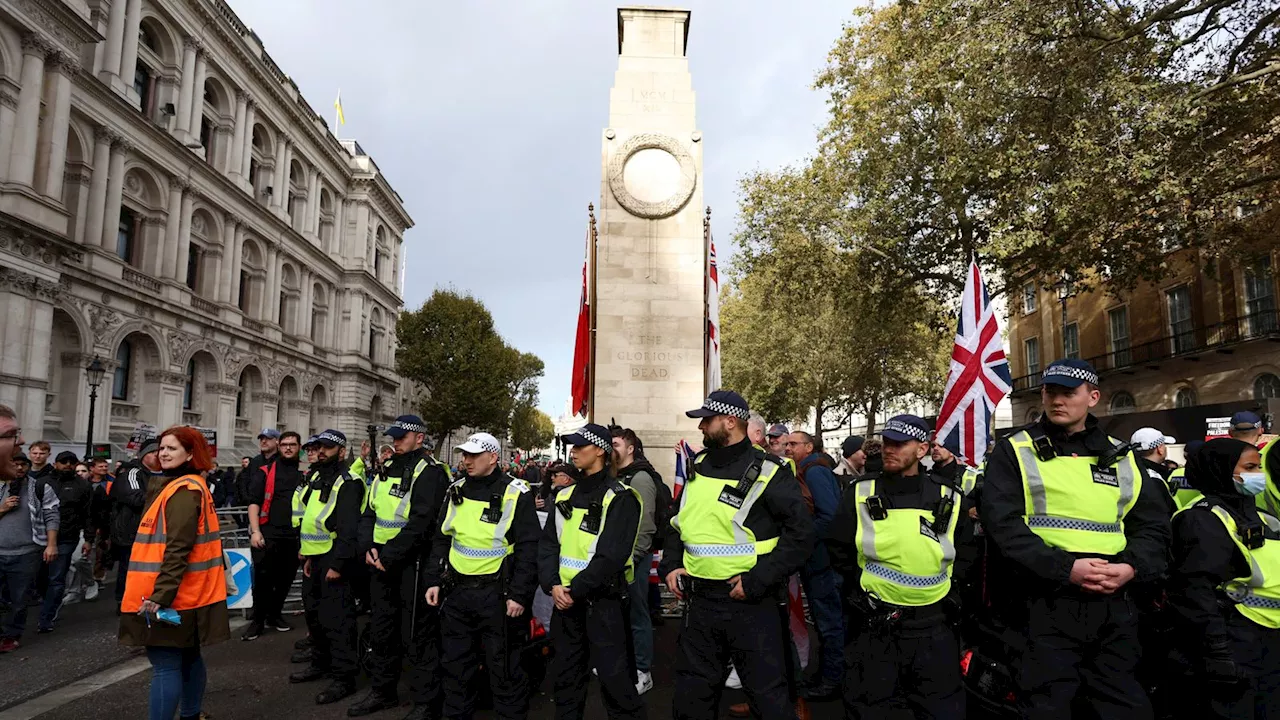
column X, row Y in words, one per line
column 650, row 252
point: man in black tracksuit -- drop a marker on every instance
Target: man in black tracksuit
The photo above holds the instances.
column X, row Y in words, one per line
column 396, row 546
column 328, row 565
column 128, row 502
column 1076, row 608
column 272, row 536
column 591, row 624
column 485, row 611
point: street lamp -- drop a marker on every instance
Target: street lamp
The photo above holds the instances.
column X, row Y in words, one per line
column 94, row 372
column 1065, row 290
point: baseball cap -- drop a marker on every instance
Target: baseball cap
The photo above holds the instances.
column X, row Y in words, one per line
column 777, row 430
column 1070, row 373
column 851, row 445
column 1147, row 438
column 479, row 443
column 722, row 402
column 590, row 434
column 1245, row 420
column 404, row 425
column 335, row 438
column 904, row 428
column 66, row 456
column 272, row 433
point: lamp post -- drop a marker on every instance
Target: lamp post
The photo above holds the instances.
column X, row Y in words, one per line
column 94, row 372
column 1064, row 291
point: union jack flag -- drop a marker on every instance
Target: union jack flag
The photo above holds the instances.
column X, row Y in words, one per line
column 979, row 377
column 684, row 464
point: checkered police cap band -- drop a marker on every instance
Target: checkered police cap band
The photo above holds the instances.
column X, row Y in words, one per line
column 487, row 444
column 328, row 437
column 720, row 408
column 409, row 426
column 1076, row 373
column 910, row 431
column 595, row 439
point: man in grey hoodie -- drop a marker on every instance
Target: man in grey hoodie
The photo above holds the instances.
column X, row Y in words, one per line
column 634, row 470
column 28, row 530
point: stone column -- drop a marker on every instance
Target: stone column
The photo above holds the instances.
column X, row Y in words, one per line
column 308, row 204
column 213, row 275
column 82, row 203
column 189, row 49
column 360, row 243
column 115, row 191
column 197, row 95
column 304, row 303
column 129, row 50
column 223, row 284
column 115, row 42
column 58, row 99
column 8, row 123
column 22, row 155
column 184, row 236
column 237, row 260
column 339, row 227
column 235, row 159
column 171, row 229
column 271, row 293
column 250, row 117
column 282, row 191
column 102, row 140
column 357, row 322
column 277, row 172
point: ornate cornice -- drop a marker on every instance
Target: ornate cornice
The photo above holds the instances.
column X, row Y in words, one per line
column 53, row 16
column 107, row 135
column 8, row 99
column 165, row 376
column 34, row 43
column 222, row 388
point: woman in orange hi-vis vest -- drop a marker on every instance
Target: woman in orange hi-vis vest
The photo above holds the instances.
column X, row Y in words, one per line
column 176, row 565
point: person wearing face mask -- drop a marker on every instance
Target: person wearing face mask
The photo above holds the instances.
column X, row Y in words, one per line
column 73, row 511
column 1224, row 587
column 741, row 530
column 326, row 511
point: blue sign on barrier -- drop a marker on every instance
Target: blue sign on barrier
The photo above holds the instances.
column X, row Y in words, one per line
column 241, row 573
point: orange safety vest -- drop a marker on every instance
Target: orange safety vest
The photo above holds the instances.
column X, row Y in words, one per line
column 204, row 582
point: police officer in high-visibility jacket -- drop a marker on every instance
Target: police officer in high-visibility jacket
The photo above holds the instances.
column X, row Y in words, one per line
column 741, row 530
column 1224, row 589
column 1076, row 521
column 396, row 531
column 894, row 541
column 482, row 574
column 585, row 565
column 1152, row 448
column 326, row 510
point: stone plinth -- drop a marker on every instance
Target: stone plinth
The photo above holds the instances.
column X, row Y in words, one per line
column 650, row 256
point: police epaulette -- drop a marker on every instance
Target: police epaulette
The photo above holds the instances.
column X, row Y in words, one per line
column 519, row 485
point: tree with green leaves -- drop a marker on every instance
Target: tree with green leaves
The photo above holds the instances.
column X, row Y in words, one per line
column 469, row 377
column 531, row 429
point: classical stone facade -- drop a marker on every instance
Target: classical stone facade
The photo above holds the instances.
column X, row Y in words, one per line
column 650, row 256
column 171, row 204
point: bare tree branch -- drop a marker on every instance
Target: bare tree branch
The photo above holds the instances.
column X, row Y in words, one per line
column 1237, row 80
column 1248, row 40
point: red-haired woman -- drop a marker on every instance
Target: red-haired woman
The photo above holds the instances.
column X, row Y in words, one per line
column 176, row 564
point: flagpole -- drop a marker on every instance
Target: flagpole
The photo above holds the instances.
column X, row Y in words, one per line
column 591, row 287
column 706, row 303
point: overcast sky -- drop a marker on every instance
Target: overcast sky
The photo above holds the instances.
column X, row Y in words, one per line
column 486, row 115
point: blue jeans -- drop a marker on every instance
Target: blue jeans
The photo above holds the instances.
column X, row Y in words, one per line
column 57, row 584
column 641, row 622
column 177, row 677
column 17, row 573
column 823, row 590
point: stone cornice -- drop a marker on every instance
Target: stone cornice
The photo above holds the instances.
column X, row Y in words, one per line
column 222, row 388
column 26, row 285
column 65, row 26
column 165, row 376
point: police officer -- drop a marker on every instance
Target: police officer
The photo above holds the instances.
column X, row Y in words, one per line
column 741, row 531
column 326, row 510
column 1078, row 522
column 894, row 540
column 585, row 565
column 1152, row 448
column 482, row 574
column 397, row 530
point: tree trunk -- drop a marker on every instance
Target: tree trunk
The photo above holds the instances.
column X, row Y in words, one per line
column 873, row 408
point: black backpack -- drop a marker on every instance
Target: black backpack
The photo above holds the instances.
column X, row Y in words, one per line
column 665, row 510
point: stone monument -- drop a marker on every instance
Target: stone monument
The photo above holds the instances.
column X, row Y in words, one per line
column 650, row 253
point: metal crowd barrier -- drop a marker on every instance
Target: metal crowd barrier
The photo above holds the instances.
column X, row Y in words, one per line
column 233, row 522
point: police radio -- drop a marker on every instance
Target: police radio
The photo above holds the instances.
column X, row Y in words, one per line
column 1113, row 455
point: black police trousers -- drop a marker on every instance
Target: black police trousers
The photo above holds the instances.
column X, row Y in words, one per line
column 331, row 619
column 476, row 617
column 1080, row 659
column 398, row 632
column 594, row 635
column 717, row 630
column 1256, row 652
column 274, row 568
column 906, row 671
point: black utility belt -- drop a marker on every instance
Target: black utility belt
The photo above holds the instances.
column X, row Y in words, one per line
column 461, row 580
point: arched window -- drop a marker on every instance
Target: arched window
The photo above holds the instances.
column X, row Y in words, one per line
column 120, row 379
column 1186, row 397
column 188, row 388
column 1121, row 403
column 1266, row 386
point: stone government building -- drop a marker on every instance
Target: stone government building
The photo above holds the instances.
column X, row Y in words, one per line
column 170, row 203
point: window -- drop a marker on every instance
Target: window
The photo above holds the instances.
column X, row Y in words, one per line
column 1186, row 397
column 1032, row 347
column 1266, row 386
column 1028, row 298
column 1071, row 342
column 317, row 325
column 120, row 378
column 377, row 265
column 188, row 389
column 1181, row 331
column 242, row 300
column 193, row 267
column 1260, row 299
column 142, row 86
column 1118, row 324
column 282, row 315
column 1121, row 403
column 373, row 345
column 253, row 172
column 125, row 236
column 240, row 399
column 206, row 139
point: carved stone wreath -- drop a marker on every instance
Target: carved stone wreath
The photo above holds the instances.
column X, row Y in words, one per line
column 642, row 208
